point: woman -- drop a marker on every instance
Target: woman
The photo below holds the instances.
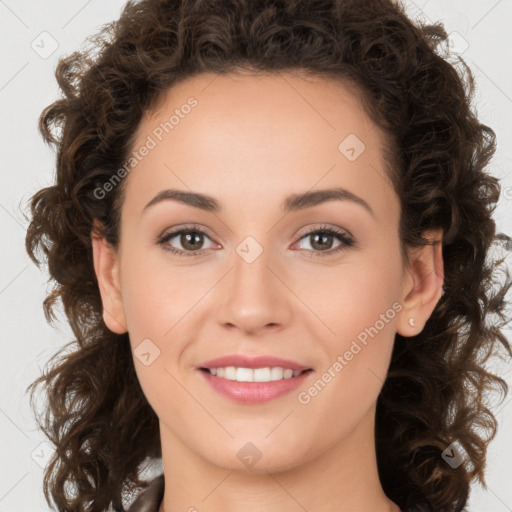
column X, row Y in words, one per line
column 270, row 232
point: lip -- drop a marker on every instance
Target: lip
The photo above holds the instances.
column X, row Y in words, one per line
column 253, row 392
column 241, row 361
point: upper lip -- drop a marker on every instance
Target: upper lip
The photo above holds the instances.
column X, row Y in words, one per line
column 241, row 361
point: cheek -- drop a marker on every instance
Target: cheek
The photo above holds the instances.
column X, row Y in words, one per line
column 156, row 301
column 156, row 294
column 359, row 304
column 161, row 301
column 354, row 295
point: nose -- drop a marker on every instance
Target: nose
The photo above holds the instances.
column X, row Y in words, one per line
column 254, row 295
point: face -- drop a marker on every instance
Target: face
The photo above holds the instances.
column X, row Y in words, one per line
column 318, row 281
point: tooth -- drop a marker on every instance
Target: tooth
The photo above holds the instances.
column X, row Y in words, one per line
column 276, row 373
column 244, row 375
column 262, row 374
column 230, row 373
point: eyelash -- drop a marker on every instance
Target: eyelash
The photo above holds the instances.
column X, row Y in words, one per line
column 347, row 240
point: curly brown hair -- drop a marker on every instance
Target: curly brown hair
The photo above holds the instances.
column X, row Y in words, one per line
column 436, row 391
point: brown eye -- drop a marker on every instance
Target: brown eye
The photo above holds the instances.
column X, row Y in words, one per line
column 322, row 241
column 190, row 240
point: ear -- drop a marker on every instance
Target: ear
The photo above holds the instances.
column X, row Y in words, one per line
column 106, row 267
column 422, row 284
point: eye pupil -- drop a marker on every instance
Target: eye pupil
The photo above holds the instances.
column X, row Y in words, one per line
column 186, row 240
column 323, row 237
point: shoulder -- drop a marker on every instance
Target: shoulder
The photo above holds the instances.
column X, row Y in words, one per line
column 150, row 498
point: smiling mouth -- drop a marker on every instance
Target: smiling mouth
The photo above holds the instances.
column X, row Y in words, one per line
column 257, row 375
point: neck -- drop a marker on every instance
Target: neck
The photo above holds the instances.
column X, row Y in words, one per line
column 344, row 477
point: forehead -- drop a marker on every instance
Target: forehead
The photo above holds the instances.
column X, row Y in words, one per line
column 263, row 101
column 258, row 135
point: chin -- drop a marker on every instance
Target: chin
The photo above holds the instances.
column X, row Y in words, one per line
column 256, row 456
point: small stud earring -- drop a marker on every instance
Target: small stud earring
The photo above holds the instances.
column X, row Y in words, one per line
column 411, row 322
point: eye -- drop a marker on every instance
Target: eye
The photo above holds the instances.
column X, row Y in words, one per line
column 190, row 238
column 323, row 238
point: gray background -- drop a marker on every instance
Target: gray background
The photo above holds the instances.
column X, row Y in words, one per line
column 33, row 35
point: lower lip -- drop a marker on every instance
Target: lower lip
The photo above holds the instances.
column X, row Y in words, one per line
column 254, row 392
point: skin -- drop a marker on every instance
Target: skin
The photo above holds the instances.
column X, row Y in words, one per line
column 249, row 143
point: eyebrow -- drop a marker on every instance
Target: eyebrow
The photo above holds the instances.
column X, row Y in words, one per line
column 292, row 203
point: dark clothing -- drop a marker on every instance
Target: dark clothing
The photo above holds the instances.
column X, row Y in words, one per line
column 150, row 498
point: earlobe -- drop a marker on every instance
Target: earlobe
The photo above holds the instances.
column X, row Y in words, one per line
column 423, row 285
column 106, row 268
